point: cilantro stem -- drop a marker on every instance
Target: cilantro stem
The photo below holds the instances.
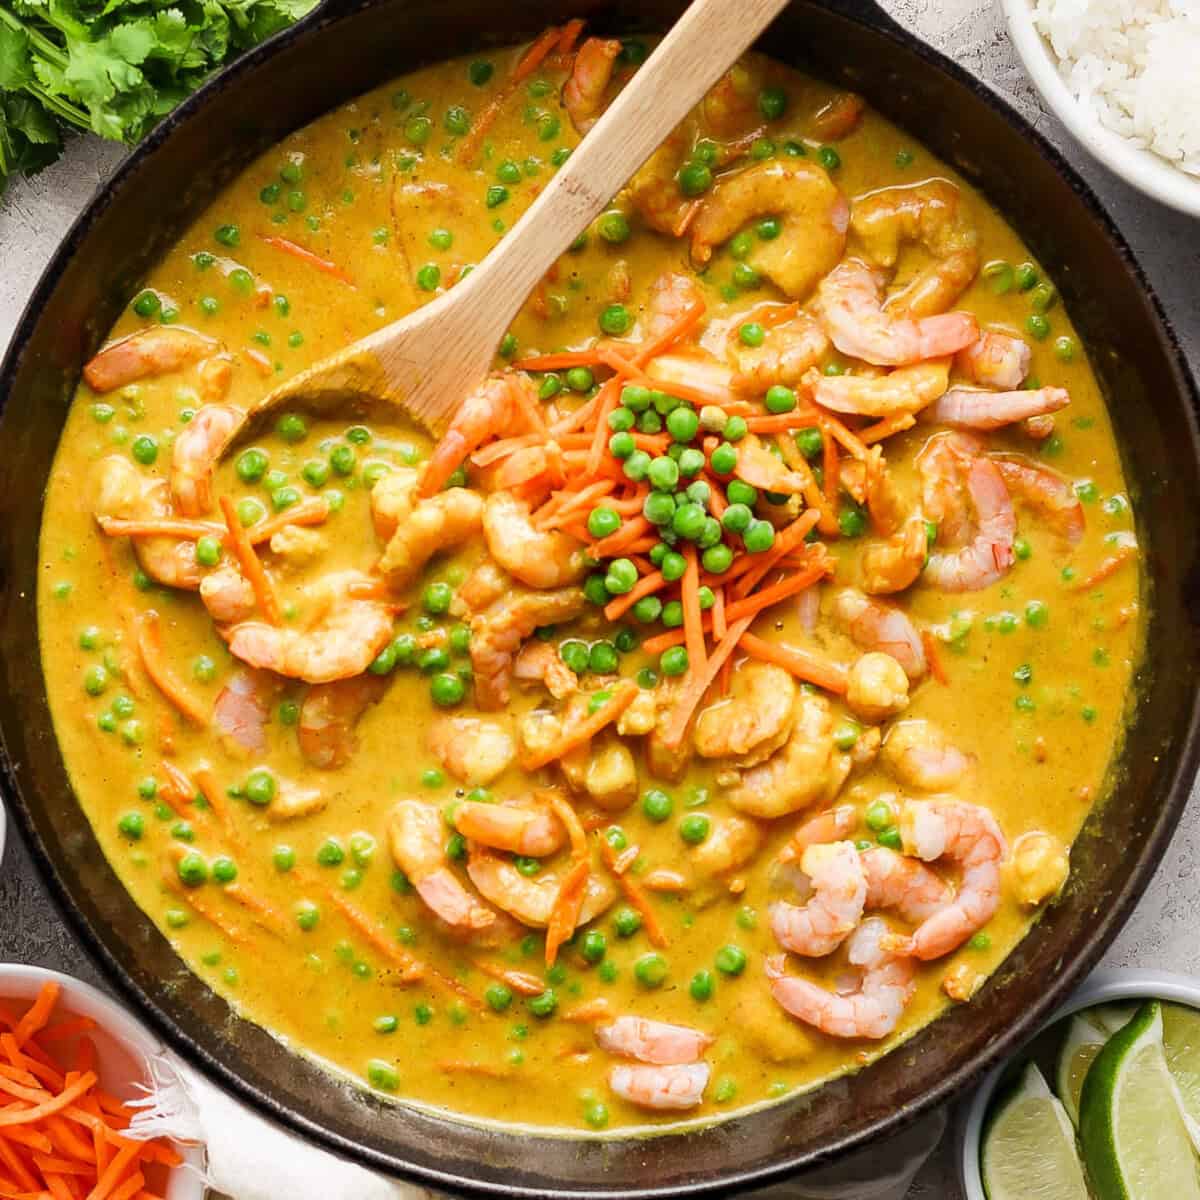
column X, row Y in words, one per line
column 61, row 108
column 37, row 39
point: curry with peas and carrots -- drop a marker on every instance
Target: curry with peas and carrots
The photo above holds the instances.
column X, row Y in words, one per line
column 712, row 705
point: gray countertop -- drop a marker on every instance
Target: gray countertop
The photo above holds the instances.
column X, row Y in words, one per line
column 1161, row 933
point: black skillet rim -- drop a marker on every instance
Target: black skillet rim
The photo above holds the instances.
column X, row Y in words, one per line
column 1108, row 924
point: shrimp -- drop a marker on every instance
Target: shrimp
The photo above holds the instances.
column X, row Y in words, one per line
column 962, row 408
column 671, row 295
column 941, row 464
column 989, row 554
column 732, row 842
column 807, row 769
column 834, row 825
column 296, row 546
column 813, row 213
column 603, row 769
column 583, row 93
column 851, row 311
column 527, row 827
column 893, row 565
column 158, row 350
column 838, row 117
column 969, row 836
column 929, row 213
column 730, row 106
column 996, row 360
column 758, row 467
column 227, row 595
column 540, row 662
column 791, row 349
column 342, row 644
column 485, row 584
column 417, row 838
column 876, row 687
column 839, row 891
column 1040, row 866
column 329, row 716
column 674, row 1088
column 476, row 751
column 498, row 631
column 873, row 1011
column 197, row 450
column 1047, row 493
column 904, row 390
column 905, row 885
column 531, row 900
column 753, row 721
column 242, row 710
column 123, row 493
column 654, row 191
column 540, row 559
column 698, row 371
column 876, row 625
column 493, row 409
column 653, row 1042
column 417, row 529
column 919, row 756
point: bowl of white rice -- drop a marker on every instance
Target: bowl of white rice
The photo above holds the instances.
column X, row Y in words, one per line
column 1124, row 77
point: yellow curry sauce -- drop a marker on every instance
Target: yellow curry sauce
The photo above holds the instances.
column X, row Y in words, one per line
column 304, row 923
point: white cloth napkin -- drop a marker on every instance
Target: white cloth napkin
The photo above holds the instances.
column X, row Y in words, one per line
column 249, row 1158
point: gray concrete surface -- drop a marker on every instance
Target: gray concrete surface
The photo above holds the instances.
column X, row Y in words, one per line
column 1162, row 931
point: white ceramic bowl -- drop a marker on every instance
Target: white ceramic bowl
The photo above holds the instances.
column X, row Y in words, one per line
column 1103, row 987
column 1146, row 171
column 123, row 1047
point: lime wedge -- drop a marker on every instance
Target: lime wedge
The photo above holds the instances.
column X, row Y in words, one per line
column 1181, row 1041
column 1077, row 1053
column 1109, row 1018
column 1135, row 1140
column 1029, row 1146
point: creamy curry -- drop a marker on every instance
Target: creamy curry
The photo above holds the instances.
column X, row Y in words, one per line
column 714, row 705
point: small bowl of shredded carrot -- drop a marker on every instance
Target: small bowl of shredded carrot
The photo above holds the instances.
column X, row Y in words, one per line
column 73, row 1067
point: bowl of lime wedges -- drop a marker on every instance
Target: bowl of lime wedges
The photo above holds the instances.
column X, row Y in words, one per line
column 1103, row 1104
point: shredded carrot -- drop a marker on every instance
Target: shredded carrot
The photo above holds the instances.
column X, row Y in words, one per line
column 38, row 1015
column 519, row 981
column 190, row 530
column 830, row 464
column 307, row 256
column 201, row 907
column 780, row 423
column 599, row 1008
column 313, row 511
column 686, row 218
column 886, row 427
column 680, row 327
column 616, row 608
column 693, row 620
column 162, row 674
column 564, row 360
column 1108, row 567
column 933, row 653
column 506, row 446
column 211, row 791
column 622, row 697
column 69, row 1094
column 636, row 897
column 115, row 1171
column 66, row 1029
column 615, row 543
column 569, row 36
column 565, row 914
column 697, row 682
column 831, row 425
column 801, row 663
column 608, row 398
column 252, row 568
column 260, row 360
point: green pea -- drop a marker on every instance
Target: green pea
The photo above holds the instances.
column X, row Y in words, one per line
column 144, row 449
column 879, row 816
column 595, row 589
column 429, row 277
column 123, row 706
column 701, row 986
column 745, row 276
column 1037, row 326
column 146, row 304
column 594, row 946
column 543, row 1005
column 457, row 120
column 224, row 869
column 447, row 690
column 330, row 853
column 724, row 459
column 260, row 787
column 751, row 334
column 228, row 235
column 650, row 970
column 615, row 320
column 694, row 828
column 548, row 128
column 768, row 229
column 192, row 869
column 673, row 566
column 772, row 103
column 480, row 71
column 1037, row 613
column 596, row 1114
column 829, row 158
column 846, row 735
column 496, row 195
column 602, row 658
column 147, row 788
column 731, row 960
column 890, row 838
column 620, row 577
column 627, row 921
column 382, row 1075
column 613, row 227
column 694, row 179
column 779, row 399
column 208, row 550
column 1026, row 276
column 498, row 997
column 251, row 465
column 580, row 379
column 204, row 669
column 95, row 680
column 717, row 559
column 759, row 537
column 284, row 858
column 852, row 521
column 132, row 825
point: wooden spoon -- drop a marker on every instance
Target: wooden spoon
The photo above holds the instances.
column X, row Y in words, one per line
column 428, row 361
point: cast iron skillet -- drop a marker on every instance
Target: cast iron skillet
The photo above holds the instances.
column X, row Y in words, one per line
column 345, row 49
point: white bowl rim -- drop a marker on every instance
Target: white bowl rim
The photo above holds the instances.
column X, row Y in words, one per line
column 1102, row 987
column 85, row 1000
column 1142, row 169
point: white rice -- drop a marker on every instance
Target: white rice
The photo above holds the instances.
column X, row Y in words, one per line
column 1135, row 66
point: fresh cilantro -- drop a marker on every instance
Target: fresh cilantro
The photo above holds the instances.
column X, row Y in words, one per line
column 114, row 67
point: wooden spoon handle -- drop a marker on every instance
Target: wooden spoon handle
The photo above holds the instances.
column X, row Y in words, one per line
column 705, row 42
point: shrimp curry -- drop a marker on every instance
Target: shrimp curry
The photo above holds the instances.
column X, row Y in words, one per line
column 713, row 705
